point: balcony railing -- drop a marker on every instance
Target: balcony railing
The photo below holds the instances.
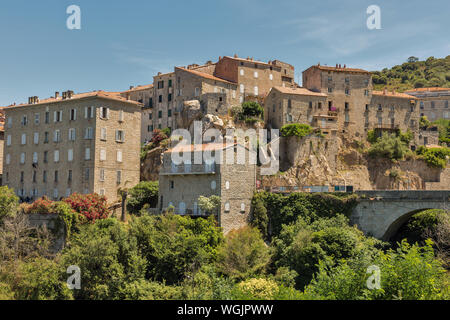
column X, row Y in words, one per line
column 186, row 169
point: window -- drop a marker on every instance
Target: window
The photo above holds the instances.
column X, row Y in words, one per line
column 197, row 92
column 8, row 158
column 102, row 175
column 119, row 155
column 102, row 192
column 446, row 104
column 330, row 90
column 36, row 118
column 347, row 107
column 256, row 90
column 270, row 76
column 169, row 97
column 34, row 176
column 227, row 207
column 104, row 113
column 347, row 80
column 47, row 117
column 330, row 79
column 72, row 134
column 22, row 176
column 150, row 116
column 69, row 176
column 150, row 128
column 290, row 103
column 242, row 72
column 55, row 193
column 70, row 155
column 366, row 92
column 8, row 140
column 56, row 156
column 87, row 172
column 159, row 114
column 169, row 113
column 119, row 177
column 160, row 84
column 45, row 156
column 255, row 74
column 242, row 88
column 170, row 83
column 9, row 122
column 89, row 134
column 46, row 135
column 380, row 108
column 120, row 136
column 56, row 176
column 22, row 158
column 367, row 107
column 57, row 116
column 24, row 121
column 121, row 117
column 150, row 102
column 172, row 184
column 421, row 105
column 73, row 114
column 347, row 91
column 68, row 192
column 103, row 134
column 347, row 117
column 23, row 139
column 57, row 136
column 44, row 176
column 36, row 138
column 89, row 112
column 433, row 104
column 380, row 120
column 102, row 154
column 35, row 157
column 87, row 154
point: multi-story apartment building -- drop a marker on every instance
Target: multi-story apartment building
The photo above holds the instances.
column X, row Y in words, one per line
column 433, row 102
column 144, row 95
column 218, row 86
column 84, row 143
column 233, row 181
column 2, row 140
column 341, row 99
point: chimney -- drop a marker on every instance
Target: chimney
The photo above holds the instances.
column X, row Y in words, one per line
column 131, row 87
column 345, row 66
column 29, row 100
column 337, row 65
column 235, row 55
column 56, row 94
column 64, row 95
column 128, row 96
column 70, row 94
column 318, row 64
column 220, row 58
column 36, row 99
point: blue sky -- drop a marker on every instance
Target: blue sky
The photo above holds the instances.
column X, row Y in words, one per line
column 125, row 43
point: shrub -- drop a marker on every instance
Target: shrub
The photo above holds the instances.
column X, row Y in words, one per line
column 91, row 206
column 296, row 129
column 389, row 146
column 371, row 136
column 244, row 254
column 9, row 202
column 435, row 157
column 424, row 122
column 146, row 192
column 252, row 109
column 158, row 136
column 259, row 218
column 255, row 289
column 209, row 204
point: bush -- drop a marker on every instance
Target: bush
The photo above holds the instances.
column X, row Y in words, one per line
column 389, row 146
column 158, row 136
column 146, row 192
column 371, row 136
column 91, row 206
column 435, row 157
column 149, row 290
column 252, row 109
column 255, row 289
column 9, row 202
column 259, row 218
column 244, row 254
column 296, row 129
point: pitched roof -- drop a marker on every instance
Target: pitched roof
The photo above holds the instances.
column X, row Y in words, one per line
column 299, row 91
column 99, row 94
column 393, row 94
column 249, row 60
column 337, row 69
column 204, row 75
column 434, row 89
column 139, row 88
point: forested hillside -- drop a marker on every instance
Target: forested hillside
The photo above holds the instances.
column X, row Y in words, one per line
column 414, row 74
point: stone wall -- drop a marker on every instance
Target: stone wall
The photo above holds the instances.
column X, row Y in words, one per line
column 54, row 224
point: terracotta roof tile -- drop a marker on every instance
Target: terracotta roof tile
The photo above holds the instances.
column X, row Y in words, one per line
column 205, row 75
column 435, row 89
column 139, row 88
column 337, row 69
column 392, row 94
column 299, row 91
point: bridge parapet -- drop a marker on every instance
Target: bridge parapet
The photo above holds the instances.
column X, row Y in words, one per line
column 436, row 195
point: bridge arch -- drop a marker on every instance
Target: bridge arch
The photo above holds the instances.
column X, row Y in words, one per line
column 381, row 213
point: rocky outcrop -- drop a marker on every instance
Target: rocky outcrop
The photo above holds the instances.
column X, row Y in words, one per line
column 190, row 112
column 151, row 164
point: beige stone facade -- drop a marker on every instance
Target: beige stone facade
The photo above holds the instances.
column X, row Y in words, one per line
column 180, row 186
column 433, row 102
column 84, row 143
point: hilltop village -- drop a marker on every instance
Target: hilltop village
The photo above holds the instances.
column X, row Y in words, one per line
column 92, row 142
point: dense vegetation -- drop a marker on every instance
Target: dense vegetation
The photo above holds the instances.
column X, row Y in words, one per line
column 296, row 129
column 300, row 246
column 414, row 74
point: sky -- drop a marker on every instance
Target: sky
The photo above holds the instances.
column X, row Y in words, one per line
column 123, row 43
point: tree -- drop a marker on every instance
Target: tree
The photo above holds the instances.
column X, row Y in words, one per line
column 296, row 129
column 91, row 206
column 413, row 59
column 209, row 204
column 259, row 218
column 252, row 109
column 389, row 146
column 243, row 254
column 9, row 202
column 146, row 192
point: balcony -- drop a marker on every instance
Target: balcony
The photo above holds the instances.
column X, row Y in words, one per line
column 186, row 169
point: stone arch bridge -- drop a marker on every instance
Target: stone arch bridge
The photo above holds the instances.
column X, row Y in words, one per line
column 381, row 213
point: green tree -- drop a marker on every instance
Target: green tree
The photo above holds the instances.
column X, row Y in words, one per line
column 296, row 129
column 259, row 217
column 9, row 202
column 244, row 254
column 209, row 204
column 252, row 109
column 146, row 192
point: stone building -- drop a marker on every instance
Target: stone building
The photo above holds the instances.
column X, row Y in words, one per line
column 233, row 181
column 84, row 143
column 341, row 100
column 217, row 86
column 433, row 102
column 144, row 95
column 2, row 140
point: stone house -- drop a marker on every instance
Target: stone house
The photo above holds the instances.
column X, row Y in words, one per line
column 84, row 143
column 233, row 180
column 433, row 102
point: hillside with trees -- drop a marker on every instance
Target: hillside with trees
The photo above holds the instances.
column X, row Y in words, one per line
column 433, row 72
